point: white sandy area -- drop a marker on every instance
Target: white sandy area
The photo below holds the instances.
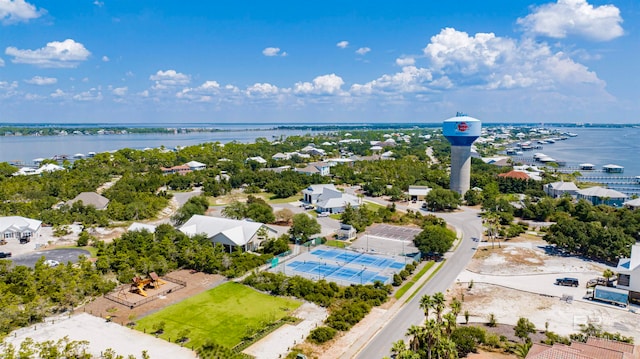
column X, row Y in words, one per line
column 519, row 281
column 279, row 343
column 101, row 335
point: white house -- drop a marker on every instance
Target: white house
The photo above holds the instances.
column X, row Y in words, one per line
column 330, row 200
column 90, row 199
column 19, row 227
column 557, row 189
column 632, row 204
column 629, row 273
column 418, row 193
column 137, row 226
column 195, row 165
column 229, row 232
column 311, row 193
column 258, row 159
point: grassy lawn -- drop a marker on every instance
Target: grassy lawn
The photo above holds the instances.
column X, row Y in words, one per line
column 269, row 197
column 373, row 206
column 334, row 243
column 223, row 314
column 413, row 280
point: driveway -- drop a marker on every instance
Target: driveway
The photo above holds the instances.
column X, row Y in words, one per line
column 60, row 255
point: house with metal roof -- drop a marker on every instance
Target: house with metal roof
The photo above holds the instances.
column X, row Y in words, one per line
column 559, row 189
column 195, row 165
column 320, row 168
column 137, row 226
column 600, row 195
column 16, row 227
column 310, row 194
column 632, row 204
column 90, row 199
column 231, row 233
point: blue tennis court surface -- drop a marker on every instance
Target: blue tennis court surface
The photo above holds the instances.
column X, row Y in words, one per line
column 343, row 266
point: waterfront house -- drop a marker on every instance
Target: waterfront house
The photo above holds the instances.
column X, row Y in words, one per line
column 632, row 204
column 519, row 175
column 558, row 189
column 20, row 228
column 628, row 270
column 599, row 195
column 231, row 233
column 90, row 199
column 613, row 169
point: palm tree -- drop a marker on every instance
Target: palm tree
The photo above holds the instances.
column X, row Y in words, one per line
column 438, row 305
column 522, row 349
column 416, row 333
column 456, row 306
column 450, row 322
column 426, row 302
column 398, row 347
column 432, row 335
column 447, row 349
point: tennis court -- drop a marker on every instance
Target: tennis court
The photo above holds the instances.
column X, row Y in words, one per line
column 342, row 266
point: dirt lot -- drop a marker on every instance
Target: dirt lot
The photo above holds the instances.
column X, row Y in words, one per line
column 196, row 282
column 517, row 280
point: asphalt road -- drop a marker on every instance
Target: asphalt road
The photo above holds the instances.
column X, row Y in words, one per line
column 60, row 255
column 470, row 224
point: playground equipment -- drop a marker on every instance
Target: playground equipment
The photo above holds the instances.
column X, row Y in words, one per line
column 139, row 285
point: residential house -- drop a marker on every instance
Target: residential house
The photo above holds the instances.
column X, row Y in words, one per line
column 19, row 227
column 231, row 233
column 184, row 169
column 310, row 194
column 599, row 195
column 258, row 159
column 515, row 175
column 90, row 199
column 632, row 204
column 594, row 348
column 320, row 168
column 558, row 189
column 196, row 166
column 418, row 193
column 346, row 232
column 137, row 226
column 333, row 201
column 628, row 270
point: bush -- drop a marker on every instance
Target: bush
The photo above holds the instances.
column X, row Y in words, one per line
column 397, row 280
column 322, row 335
column 467, row 339
column 492, row 320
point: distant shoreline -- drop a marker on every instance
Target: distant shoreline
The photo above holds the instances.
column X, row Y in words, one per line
column 57, row 129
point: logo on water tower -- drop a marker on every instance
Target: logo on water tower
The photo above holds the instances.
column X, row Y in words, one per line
column 462, row 126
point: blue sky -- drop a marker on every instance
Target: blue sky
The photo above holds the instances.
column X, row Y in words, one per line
column 151, row 61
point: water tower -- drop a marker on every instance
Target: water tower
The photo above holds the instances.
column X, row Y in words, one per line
column 461, row 131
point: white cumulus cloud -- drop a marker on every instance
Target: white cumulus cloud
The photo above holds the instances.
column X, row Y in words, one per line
column 363, row 50
column 91, row 95
column 405, row 61
column 65, row 54
column 169, row 78
column 273, row 51
column 120, row 91
column 38, row 80
column 1, row 62
column 322, row 85
column 488, row 61
column 574, row 17
column 262, row 89
column 105, row 58
column 410, row 80
column 12, row 11
column 343, row 44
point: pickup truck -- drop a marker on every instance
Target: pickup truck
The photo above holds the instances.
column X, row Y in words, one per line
column 5, row 254
column 569, row 282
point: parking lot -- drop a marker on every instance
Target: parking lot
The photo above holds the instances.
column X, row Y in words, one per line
column 57, row 255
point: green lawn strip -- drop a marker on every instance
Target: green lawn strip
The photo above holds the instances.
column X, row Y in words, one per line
column 269, row 197
column 225, row 314
column 413, row 280
column 372, row 206
column 426, row 281
column 334, row 243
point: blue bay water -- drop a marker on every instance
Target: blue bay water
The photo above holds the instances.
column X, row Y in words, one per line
column 27, row 148
column 599, row 146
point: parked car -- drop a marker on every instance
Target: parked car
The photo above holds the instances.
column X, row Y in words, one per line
column 600, row 281
column 51, row 263
column 323, row 214
column 5, row 254
column 24, row 240
column 308, row 206
column 569, row 282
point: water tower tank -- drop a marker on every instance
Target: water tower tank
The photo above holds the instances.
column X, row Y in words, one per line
column 461, row 131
